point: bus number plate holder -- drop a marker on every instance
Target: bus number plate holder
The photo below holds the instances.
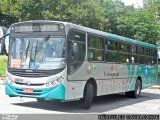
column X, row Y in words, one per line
column 28, row 90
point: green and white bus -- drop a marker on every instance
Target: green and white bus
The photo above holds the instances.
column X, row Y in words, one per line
column 65, row 61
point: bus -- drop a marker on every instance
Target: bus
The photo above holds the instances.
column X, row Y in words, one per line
column 64, row 61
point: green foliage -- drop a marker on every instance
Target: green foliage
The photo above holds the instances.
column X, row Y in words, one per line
column 74, row 11
column 112, row 10
column 154, row 7
column 130, row 22
column 10, row 7
column 140, row 24
column 3, row 61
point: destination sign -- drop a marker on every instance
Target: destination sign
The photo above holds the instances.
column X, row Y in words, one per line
column 38, row 27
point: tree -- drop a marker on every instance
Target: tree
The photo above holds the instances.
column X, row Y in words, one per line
column 85, row 12
column 112, row 10
column 130, row 22
column 9, row 11
column 10, row 8
column 154, row 6
column 141, row 25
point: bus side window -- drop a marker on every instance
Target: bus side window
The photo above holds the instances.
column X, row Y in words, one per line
column 153, row 56
column 76, row 47
column 112, row 45
column 124, row 53
column 112, row 54
column 134, row 57
column 95, row 48
column 142, row 50
column 133, row 49
column 123, row 47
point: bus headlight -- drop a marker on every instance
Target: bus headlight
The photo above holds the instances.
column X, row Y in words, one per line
column 48, row 84
column 55, row 82
column 60, row 79
column 52, row 83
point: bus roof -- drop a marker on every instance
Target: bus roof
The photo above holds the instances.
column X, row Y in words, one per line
column 93, row 31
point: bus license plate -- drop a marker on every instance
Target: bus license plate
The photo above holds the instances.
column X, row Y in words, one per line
column 27, row 90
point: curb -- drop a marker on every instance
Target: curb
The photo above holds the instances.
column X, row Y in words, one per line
column 155, row 87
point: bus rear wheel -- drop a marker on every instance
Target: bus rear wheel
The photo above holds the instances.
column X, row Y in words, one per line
column 136, row 93
column 88, row 96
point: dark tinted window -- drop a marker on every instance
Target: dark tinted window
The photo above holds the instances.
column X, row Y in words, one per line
column 141, row 50
column 141, row 59
column 95, row 48
column 95, row 42
column 112, row 45
column 112, row 57
column 153, row 52
column 133, row 49
column 124, row 58
column 147, row 51
column 123, row 47
column 77, row 36
column 95, row 55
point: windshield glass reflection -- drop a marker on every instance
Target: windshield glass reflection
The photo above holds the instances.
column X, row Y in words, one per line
column 37, row 53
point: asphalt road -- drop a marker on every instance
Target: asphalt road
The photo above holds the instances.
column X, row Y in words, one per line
column 147, row 103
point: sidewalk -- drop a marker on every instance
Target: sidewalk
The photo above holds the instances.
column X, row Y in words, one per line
column 156, row 86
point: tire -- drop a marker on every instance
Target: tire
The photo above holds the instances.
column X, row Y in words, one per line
column 87, row 99
column 136, row 93
column 40, row 100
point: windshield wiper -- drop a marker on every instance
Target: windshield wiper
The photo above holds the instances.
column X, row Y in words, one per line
column 27, row 51
column 46, row 38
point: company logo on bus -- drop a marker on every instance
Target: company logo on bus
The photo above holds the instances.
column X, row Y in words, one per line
column 112, row 67
column 112, row 71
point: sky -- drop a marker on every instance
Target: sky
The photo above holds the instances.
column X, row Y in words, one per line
column 136, row 3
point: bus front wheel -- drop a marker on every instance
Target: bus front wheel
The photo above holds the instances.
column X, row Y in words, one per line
column 136, row 93
column 88, row 96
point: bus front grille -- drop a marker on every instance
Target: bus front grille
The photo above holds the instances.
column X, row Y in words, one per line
column 33, row 73
column 29, row 84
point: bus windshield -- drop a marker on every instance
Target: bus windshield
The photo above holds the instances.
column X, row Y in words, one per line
column 37, row 53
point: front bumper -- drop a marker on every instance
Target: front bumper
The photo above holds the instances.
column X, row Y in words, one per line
column 57, row 92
